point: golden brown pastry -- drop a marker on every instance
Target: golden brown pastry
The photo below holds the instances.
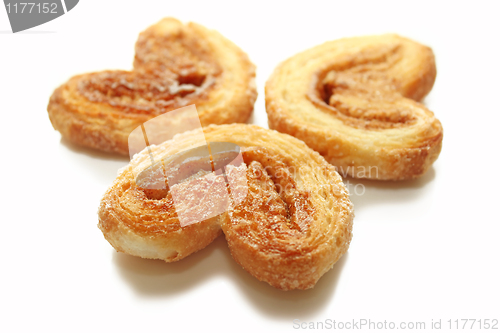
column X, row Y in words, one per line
column 175, row 65
column 289, row 225
column 354, row 101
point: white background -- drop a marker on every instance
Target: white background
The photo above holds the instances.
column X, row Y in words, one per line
column 422, row 250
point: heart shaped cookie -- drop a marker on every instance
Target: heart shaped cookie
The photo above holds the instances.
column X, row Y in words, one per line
column 175, row 65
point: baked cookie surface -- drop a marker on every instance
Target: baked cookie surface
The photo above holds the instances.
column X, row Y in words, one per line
column 355, row 101
column 175, row 65
column 288, row 227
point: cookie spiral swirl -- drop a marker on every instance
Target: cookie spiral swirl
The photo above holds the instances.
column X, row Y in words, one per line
column 175, row 65
column 355, row 101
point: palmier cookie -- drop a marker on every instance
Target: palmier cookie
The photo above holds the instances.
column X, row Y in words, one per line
column 175, row 65
column 355, row 101
column 292, row 224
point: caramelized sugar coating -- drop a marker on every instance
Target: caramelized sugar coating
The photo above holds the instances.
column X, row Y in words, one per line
column 175, row 65
column 355, row 101
column 293, row 223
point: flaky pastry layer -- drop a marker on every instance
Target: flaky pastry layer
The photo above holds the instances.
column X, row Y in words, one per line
column 354, row 101
column 175, row 65
column 293, row 224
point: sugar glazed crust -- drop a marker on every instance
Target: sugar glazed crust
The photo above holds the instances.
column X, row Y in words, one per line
column 175, row 65
column 293, row 224
column 355, row 101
